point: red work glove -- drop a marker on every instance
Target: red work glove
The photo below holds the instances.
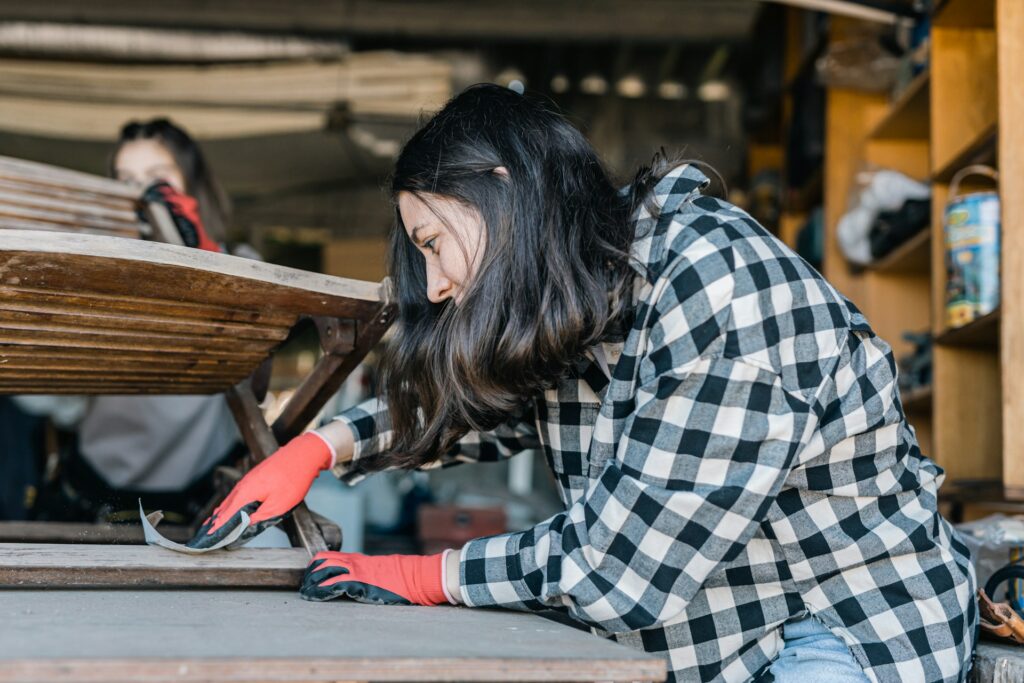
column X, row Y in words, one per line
column 381, row 580
column 269, row 491
column 184, row 212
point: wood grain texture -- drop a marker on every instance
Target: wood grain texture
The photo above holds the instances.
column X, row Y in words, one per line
column 232, row 635
column 85, row 532
column 1010, row 24
column 100, row 315
column 964, row 93
column 25, row 565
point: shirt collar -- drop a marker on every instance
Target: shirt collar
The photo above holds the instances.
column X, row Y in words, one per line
column 681, row 184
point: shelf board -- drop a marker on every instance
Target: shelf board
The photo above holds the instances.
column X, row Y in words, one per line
column 982, row 332
column 913, row 256
column 917, row 400
column 981, row 150
column 964, row 13
column 908, row 117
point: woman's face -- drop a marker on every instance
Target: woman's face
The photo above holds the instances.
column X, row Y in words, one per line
column 451, row 238
column 143, row 162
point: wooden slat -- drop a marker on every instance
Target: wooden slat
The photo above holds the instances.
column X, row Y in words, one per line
column 135, row 321
column 86, row 207
column 1010, row 24
column 61, row 218
column 12, row 223
column 24, row 565
column 57, row 385
column 45, row 174
column 171, row 308
column 84, row 358
column 144, row 376
column 53, row 334
column 115, row 367
column 31, row 187
column 85, row 532
column 105, row 265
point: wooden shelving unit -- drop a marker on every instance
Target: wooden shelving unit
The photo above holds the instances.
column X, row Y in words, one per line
column 967, row 108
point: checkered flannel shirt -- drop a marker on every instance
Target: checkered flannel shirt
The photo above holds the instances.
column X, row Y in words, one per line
column 748, row 462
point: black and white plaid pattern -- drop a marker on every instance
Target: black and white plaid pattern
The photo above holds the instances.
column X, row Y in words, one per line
column 747, row 463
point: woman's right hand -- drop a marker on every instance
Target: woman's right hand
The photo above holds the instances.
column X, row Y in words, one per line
column 270, row 490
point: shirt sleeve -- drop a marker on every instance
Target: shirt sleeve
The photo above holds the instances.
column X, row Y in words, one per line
column 692, row 472
column 371, row 426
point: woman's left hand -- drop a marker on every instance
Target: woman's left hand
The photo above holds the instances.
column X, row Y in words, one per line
column 382, row 580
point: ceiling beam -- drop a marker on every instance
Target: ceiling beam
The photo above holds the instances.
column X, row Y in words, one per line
column 699, row 21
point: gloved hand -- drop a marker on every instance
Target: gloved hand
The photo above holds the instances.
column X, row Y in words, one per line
column 268, row 491
column 381, row 580
column 184, row 212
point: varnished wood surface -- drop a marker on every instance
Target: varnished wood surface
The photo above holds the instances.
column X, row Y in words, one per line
column 220, row 635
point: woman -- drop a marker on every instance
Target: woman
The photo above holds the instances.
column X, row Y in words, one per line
column 742, row 490
column 160, row 448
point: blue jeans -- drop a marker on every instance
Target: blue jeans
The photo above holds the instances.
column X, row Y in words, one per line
column 810, row 652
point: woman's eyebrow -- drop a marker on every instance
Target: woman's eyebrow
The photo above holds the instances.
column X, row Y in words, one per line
column 415, row 232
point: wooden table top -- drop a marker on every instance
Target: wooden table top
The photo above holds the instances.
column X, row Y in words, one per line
column 192, row 635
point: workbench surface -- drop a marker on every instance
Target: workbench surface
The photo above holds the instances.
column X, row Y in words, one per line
column 111, row 636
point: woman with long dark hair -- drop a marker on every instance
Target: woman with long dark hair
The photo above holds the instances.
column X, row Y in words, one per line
column 742, row 491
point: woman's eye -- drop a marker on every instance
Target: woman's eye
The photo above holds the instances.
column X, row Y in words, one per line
column 429, row 244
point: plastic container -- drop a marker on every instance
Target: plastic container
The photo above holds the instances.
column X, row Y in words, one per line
column 972, row 250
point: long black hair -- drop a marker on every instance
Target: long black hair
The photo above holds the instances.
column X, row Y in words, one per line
column 553, row 277
column 214, row 207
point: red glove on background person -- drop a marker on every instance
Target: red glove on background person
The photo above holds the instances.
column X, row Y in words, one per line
column 184, row 212
column 268, row 491
column 381, row 580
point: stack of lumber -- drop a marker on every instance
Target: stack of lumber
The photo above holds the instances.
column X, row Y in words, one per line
column 91, row 100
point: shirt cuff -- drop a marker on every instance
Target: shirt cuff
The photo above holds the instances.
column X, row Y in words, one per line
column 444, row 576
column 491, row 573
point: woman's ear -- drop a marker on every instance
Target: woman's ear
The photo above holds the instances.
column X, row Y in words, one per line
column 500, row 170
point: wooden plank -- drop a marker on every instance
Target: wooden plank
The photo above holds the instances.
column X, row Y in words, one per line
column 16, row 223
column 85, row 532
column 108, row 636
column 702, row 21
column 24, row 565
column 25, row 211
column 33, row 187
column 127, row 304
column 58, row 177
column 46, row 333
column 73, row 206
column 136, row 322
column 105, row 265
column 1010, row 23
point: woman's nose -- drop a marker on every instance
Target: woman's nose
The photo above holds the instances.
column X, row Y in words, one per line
column 439, row 287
